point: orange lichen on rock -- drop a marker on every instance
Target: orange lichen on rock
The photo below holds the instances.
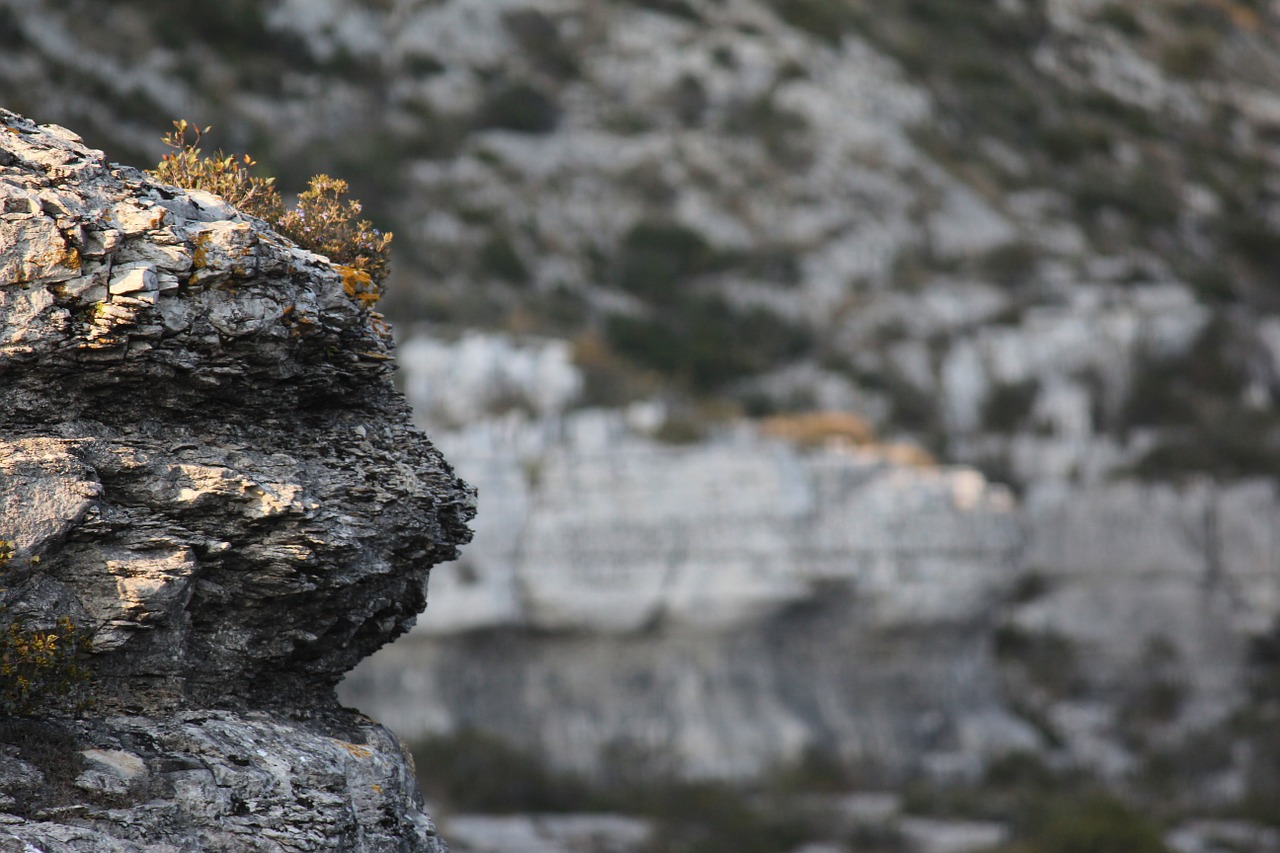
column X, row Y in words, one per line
column 358, row 284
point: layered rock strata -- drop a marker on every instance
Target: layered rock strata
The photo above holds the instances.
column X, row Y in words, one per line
column 217, row 505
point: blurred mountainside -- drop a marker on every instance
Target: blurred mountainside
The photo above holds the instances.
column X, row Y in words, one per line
column 1036, row 237
column 1041, row 237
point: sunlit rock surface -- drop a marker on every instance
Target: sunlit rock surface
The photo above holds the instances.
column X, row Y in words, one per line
column 205, row 469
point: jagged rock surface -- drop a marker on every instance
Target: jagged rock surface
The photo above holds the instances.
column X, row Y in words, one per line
column 205, row 468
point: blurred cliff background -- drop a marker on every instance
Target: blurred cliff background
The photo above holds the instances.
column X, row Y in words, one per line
column 873, row 404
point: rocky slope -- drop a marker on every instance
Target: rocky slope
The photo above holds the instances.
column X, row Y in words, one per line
column 213, row 504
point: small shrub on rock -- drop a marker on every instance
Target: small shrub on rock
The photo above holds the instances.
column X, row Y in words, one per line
column 221, row 174
column 325, row 220
column 37, row 664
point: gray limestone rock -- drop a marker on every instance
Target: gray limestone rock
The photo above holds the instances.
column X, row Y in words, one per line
column 216, row 505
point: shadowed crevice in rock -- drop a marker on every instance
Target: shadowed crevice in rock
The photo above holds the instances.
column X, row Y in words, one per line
column 207, row 474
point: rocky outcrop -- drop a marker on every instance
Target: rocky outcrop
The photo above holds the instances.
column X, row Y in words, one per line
column 216, row 504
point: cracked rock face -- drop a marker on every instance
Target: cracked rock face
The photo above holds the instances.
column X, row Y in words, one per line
column 206, row 473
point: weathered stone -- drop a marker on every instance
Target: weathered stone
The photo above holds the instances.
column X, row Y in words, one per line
column 131, row 281
column 214, row 482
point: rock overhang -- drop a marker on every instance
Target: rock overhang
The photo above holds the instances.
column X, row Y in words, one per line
column 201, row 441
column 213, row 503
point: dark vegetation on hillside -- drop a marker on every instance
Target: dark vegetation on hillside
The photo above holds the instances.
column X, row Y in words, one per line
column 1047, row 810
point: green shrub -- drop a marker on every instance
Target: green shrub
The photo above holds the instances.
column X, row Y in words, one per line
column 706, row 342
column 909, row 407
column 1196, row 399
column 474, row 771
column 1232, row 443
column 1048, row 660
column 9, row 550
column 681, row 428
column 826, row 19
column 674, row 8
column 1073, row 138
column 1263, row 666
column 1172, row 775
column 777, row 264
column 782, row 132
column 657, row 258
column 1255, row 239
column 540, row 39
column 499, row 259
column 608, row 380
column 689, row 100
column 978, row 71
column 1008, row 406
column 713, row 817
column 518, row 107
column 1019, row 769
column 11, row 35
column 1152, row 702
column 222, row 175
column 1031, row 586
column 1121, row 19
column 1213, row 282
column 324, row 221
column 1097, row 824
column 1146, row 196
column 818, row 768
column 1193, row 55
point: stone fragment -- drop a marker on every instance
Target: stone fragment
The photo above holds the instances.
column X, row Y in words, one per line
column 133, row 281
